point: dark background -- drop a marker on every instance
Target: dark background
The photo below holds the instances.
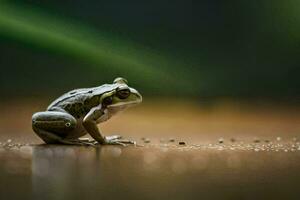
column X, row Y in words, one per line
column 207, row 48
column 241, row 56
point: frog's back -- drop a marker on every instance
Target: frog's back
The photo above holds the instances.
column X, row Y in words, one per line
column 79, row 101
column 71, row 96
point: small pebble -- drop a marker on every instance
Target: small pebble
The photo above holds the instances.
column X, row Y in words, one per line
column 256, row 141
column 9, row 141
column 147, row 140
column 267, row 141
column 171, row 140
column 181, row 143
column 232, row 140
column 221, row 140
column 278, row 138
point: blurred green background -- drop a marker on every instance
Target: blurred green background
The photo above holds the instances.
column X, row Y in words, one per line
column 207, row 48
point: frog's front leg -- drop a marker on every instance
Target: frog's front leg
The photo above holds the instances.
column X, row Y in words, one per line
column 90, row 124
column 53, row 126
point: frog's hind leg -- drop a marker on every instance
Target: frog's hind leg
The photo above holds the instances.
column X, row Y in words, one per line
column 53, row 126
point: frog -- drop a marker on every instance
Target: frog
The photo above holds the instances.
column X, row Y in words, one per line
column 78, row 113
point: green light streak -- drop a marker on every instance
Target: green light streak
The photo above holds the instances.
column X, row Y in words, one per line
column 75, row 40
column 41, row 30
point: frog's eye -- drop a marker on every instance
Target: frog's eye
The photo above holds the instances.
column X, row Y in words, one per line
column 121, row 80
column 123, row 93
column 107, row 100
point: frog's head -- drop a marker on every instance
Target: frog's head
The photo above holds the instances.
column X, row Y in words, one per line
column 121, row 96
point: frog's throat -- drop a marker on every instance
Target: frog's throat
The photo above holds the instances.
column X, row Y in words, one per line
column 120, row 104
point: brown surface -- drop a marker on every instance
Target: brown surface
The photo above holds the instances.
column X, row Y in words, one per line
column 189, row 121
column 259, row 158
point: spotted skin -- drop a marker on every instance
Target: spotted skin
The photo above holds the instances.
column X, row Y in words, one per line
column 77, row 113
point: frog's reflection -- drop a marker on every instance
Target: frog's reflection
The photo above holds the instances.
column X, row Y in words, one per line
column 59, row 172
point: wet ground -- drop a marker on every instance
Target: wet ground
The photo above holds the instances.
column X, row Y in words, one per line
column 227, row 150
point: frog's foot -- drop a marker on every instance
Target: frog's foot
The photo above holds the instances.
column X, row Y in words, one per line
column 113, row 137
column 116, row 140
column 85, row 139
column 83, row 142
column 88, row 140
